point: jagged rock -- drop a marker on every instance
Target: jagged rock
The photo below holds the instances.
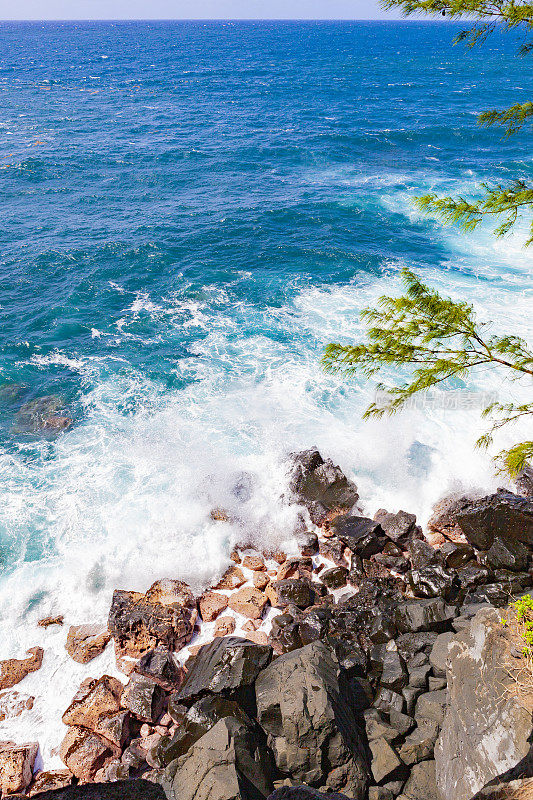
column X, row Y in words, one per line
column 260, row 580
column 224, row 665
column 144, row 698
column 394, row 674
column 307, row 542
column 398, row 526
column 12, row 704
column 421, row 784
column 422, row 554
column 211, row 604
column 85, row 642
column 443, row 520
column 387, row 700
column 506, row 554
column 423, row 615
column 371, row 612
column 402, row 722
column 227, row 763
column 319, row 485
column 333, row 549
column 410, row 644
column 431, row 706
column 334, row 578
column 308, row 719
column 418, row 677
column 94, row 700
column 362, row 535
column 253, row 562
column 249, row 602
column 195, row 723
column 456, row 555
column 13, row 670
column 503, row 514
column 85, row 753
column 486, row 731
column 47, row 781
column 385, row 762
column 165, row 615
column 47, row 621
column 225, row 626
column 118, row 790
column 292, row 591
column 431, row 581
column 377, row 727
column 160, row 666
column 420, row 744
column 16, row 766
column 284, row 634
column 439, row 654
column 233, row 578
column 296, row 567
column 524, row 482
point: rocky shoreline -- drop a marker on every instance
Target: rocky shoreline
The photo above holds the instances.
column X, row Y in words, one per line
column 371, row 662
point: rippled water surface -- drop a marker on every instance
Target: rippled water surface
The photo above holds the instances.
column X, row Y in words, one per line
column 190, row 211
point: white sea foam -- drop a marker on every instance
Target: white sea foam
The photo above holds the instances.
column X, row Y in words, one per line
column 125, row 499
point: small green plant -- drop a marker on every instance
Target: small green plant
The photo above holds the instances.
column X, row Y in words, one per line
column 433, row 339
column 523, row 608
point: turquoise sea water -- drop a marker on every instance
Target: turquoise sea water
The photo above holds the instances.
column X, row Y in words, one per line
column 190, row 211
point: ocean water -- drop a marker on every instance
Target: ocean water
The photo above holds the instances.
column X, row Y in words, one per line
column 190, row 212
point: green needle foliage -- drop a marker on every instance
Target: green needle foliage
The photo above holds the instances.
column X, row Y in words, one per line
column 433, row 337
column 436, row 339
column 512, row 200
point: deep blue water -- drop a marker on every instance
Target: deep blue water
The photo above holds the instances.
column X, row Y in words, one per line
column 190, row 211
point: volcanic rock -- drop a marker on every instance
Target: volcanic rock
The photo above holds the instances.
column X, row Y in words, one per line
column 144, row 698
column 227, row 763
column 13, row 670
column 225, row 626
column 16, row 766
column 292, row 591
column 224, row 665
column 47, row 781
column 309, row 721
column 249, row 602
column 320, row 485
column 160, row 666
column 84, row 753
column 211, row 604
column 85, row 642
column 398, row 526
column 362, row 535
column 12, row 704
column 165, row 615
column 486, row 731
column 504, row 514
column 232, row 579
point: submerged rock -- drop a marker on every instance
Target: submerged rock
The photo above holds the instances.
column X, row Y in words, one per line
column 12, row 704
column 42, row 414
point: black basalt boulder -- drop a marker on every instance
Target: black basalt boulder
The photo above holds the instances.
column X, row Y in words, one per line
column 319, row 485
column 362, row 535
column 504, row 515
column 223, row 666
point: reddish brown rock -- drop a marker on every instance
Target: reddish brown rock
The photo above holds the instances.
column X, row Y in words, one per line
column 54, row 779
column 85, row 642
column 254, row 562
column 232, row 579
column 94, row 699
column 85, row 753
column 211, row 604
column 165, row 615
column 16, row 766
column 235, row 557
column 12, row 704
column 13, row 670
column 249, row 602
column 57, row 422
column 47, row 621
column 219, row 515
column 260, row 580
column 225, row 626
column 296, row 567
column 251, row 625
column 259, row 637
